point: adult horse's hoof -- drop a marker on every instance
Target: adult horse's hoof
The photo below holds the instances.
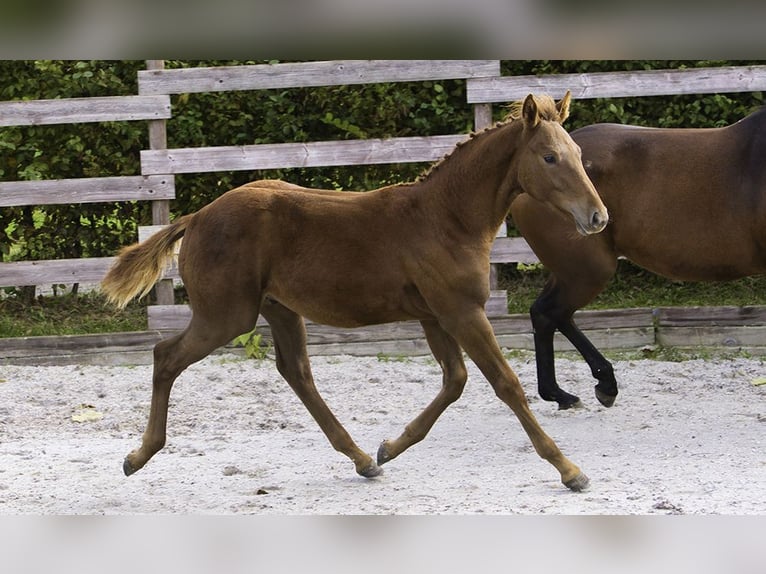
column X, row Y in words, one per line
column 578, row 483
column 567, row 401
column 371, row 471
column 605, row 399
column 127, row 468
column 566, row 405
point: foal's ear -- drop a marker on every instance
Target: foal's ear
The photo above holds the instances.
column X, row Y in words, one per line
column 529, row 112
column 563, row 106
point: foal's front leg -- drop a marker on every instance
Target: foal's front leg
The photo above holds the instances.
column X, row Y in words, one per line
column 449, row 355
column 289, row 333
column 474, row 333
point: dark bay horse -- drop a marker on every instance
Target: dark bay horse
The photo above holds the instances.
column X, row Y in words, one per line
column 411, row 251
column 687, row 204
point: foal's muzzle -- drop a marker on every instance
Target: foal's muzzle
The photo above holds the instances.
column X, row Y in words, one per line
column 596, row 223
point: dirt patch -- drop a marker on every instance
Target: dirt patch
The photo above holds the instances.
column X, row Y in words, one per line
column 683, row 438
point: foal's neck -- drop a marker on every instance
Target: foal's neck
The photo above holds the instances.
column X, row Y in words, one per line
column 476, row 183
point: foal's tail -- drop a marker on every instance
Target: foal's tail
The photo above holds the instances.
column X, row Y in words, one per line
column 140, row 266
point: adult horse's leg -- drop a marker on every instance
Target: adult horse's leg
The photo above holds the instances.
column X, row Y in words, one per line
column 289, row 333
column 171, row 357
column 449, row 355
column 553, row 310
column 544, row 329
column 474, row 333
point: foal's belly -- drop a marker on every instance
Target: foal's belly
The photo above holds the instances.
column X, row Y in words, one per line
column 337, row 308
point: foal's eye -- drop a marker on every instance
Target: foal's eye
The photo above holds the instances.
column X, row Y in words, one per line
column 550, row 158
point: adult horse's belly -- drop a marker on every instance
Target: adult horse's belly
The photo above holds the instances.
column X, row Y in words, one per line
column 705, row 256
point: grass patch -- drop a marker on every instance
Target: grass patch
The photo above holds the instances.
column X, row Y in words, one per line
column 68, row 314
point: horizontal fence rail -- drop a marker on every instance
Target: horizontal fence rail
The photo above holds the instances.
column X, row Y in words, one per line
column 84, row 270
column 84, row 110
column 86, row 190
column 620, row 84
column 288, row 155
column 309, row 74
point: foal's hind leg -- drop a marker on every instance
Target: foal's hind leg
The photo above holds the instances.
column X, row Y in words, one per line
column 289, row 333
column 449, row 355
column 171, row 357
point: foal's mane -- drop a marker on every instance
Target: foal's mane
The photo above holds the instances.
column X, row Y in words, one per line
column 546, row 107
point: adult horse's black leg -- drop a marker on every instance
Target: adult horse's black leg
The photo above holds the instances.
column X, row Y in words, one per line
column 544, row 327
column 546, row 318
column 449, row 355
column 600, row 367
column 289, row 333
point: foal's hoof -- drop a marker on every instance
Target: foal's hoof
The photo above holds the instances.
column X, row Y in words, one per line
column 383, row 455
column 371, row 471
column 578, row 483
column 127, row 468
column 604, row 398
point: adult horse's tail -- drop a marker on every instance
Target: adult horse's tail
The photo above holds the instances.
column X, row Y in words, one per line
column 140, row 266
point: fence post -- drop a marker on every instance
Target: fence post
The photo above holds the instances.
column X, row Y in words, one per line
column 158, row 139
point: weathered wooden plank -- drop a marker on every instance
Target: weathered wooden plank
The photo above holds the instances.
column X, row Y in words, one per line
column 309, row 74
column 287, row 155
column 620, row 84
column 86, row 270
column 64, row 344
column 602, row 319
column 630, row 338
column 714, row 336
column 103, row 349
column 84, row 110
column 512, row 250
column 711, row 316
column 643, row 317
column 86, row 190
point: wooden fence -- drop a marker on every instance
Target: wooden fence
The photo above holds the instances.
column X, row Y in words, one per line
column 485, row 86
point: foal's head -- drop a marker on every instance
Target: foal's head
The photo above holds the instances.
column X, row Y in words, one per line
column 550, row 163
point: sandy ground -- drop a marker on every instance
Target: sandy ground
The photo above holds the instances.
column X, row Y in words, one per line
column 683, row 438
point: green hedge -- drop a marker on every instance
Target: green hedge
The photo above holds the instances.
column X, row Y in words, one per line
column 267, row 116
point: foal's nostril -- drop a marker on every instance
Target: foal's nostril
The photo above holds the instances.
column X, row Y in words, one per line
column 599, row 220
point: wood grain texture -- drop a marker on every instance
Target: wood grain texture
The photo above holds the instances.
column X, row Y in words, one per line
column 47, row 272
column 309, row 74
column 86, row 190
column 620, row 84
column 84, row 110
column 288, row 155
